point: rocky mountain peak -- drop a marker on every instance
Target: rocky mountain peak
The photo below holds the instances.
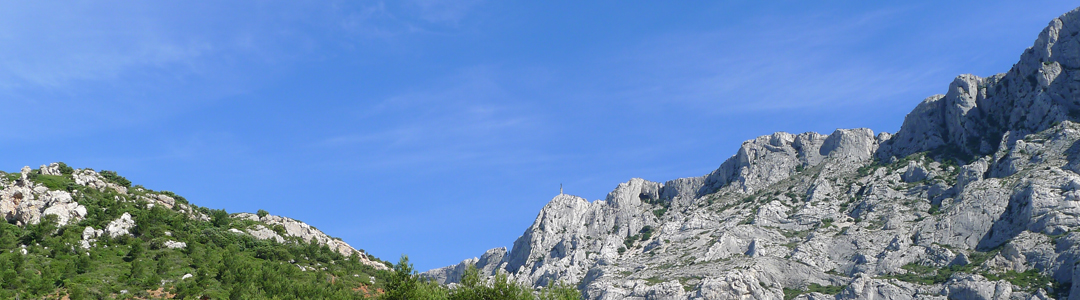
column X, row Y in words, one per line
column 974, row 114
column 973, row 198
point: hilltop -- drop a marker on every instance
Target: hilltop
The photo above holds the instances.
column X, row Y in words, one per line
column 84, row 234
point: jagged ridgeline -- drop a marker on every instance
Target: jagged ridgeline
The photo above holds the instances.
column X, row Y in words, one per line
column 82, row 234
column 977, row 196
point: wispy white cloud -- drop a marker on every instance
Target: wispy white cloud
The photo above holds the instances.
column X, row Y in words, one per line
column 110, row 65
column 442, row 11
column 378, row 19
column 780, row 62
column 50, row 47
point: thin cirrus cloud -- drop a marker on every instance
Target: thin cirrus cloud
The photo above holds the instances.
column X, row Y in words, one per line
column 52, row 49
column 776, row 65
column 100, row 62
column 56, row 45
column 469, row 118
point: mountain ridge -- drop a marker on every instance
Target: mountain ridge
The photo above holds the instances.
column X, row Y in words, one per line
column 965, row 196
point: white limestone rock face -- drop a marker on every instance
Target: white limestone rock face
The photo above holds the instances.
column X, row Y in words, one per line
column 868, row 288
column 737, row 284
column 262, row 233
column 175, row 245
column 89, row 237
column 984, row 178
column 87, row 177
column 26, row 202
column 50, row 169
column 120, row 227
column 976, row 287
column 1039, row 91
column 159, row 199
column 490, row 263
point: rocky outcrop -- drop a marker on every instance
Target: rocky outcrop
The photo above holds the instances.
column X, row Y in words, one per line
column 975, row 113
column 23, row 201
column 90, row 178
column 175, row 245
column 976, row 197
column 301, row 231
column 89, row 237
column 120, row 227
column 490, row 264
column 27, row 201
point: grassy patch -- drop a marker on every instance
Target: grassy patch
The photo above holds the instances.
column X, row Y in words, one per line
column 927, row 275
column 869, row 169
column 826, row 222
column 1030, row 280
column 13, row 176
column 56, row 182
column 825, row 289
column 812, row 288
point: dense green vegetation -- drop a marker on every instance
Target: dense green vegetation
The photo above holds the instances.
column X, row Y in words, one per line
column 47, row 261
column 223, row 265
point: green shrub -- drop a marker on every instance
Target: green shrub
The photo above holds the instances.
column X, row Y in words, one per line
column 473, row 287
column 220, row 218
column 111, row 176
column 935, row 209
column 793, row 196
column 65, row 169
column 826, row 222
column 560, row 291
column 630, row 240
column 279, row 229
column 646, row 232
column 659, row 212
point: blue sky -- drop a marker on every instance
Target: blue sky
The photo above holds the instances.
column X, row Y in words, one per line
column 438, row 129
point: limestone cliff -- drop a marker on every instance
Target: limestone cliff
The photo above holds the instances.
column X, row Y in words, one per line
column 977, row 196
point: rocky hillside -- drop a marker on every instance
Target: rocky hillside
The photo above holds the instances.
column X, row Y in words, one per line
column 83, row 234
column 977, row 196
